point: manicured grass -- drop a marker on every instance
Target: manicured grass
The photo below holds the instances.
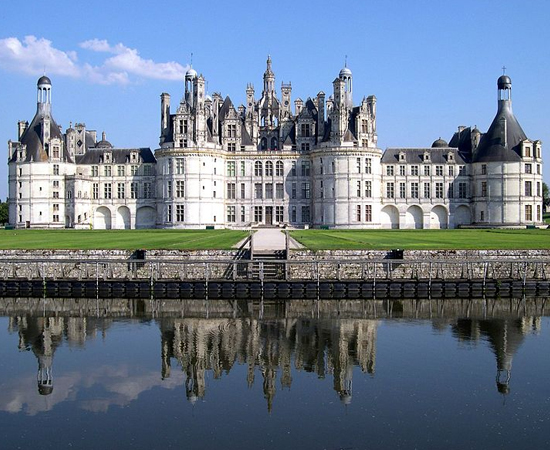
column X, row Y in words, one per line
column 120, row 239
column 423, row 239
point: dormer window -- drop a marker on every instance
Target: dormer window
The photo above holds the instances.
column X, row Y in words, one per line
column 133, row 157
column 402, row 156
column 426, row 156
column 450, row 157
column 107, row 157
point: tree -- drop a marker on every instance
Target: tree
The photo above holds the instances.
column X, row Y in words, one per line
column 4, row 216
column 545, row 195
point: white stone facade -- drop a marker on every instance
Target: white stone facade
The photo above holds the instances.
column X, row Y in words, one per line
column 264, row 164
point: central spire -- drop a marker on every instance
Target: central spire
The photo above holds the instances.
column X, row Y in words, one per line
column 269, row 77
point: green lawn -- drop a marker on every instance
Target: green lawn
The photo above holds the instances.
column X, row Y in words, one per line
column 423, row 239
column 120, row 239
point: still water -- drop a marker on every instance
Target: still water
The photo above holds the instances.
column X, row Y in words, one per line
column 298, row 374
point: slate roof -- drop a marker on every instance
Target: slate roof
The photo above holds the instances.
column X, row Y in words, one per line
column 416, row 155
column 119, row 155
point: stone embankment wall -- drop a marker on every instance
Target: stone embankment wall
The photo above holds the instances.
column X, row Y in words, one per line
column 301, row 265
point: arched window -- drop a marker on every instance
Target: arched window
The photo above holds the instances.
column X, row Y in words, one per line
column 274, row 143
column 258, row 169
column 279, row 170
column 269, row 169
column 263, row 144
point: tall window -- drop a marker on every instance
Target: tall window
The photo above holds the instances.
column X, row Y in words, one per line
column 133, row 190
column 180, row 189
column 293, row 191
column 484, row 169
column 179, row 166
column 269, row 190
column 231, row 194
column 293, row 170
column 269, row 169
column 439, row 171
column 279, row 191
column 231, row 214
column 95, row 171
column 358, row 215
column 180, row 213
column 389, row 170
column 451, row 171
column 306, row 216
column 169, row 189
column 390, row 190
column 279, row 214
column 368, row 189
column 306, row 192
column 147, row 190
column 402, row 171
column 438, row 190
column 414, row 171
column 368, row 213
column 243, row 168
column 414, row 190
column 231, row 169
column 528, row 189
column 95, row 191
column 427, row 171
column 258, row 214
column 462, row 190
column 107, row 171
column 359, row 189
column 168, row 213
column 120, row 190
column 258, row 191
column 305, row 129
column 293, row 214
column 107, row 190
column 305, row 147
column 258, row 169
column 358, row 165
column 528, row 213
column 484, row 189
column 243, row 214
column 120, row 171
column 427, row 190
column 243, row 190
column 368, row 165
column 402, row 190
column 279, row 169
column 305, row 169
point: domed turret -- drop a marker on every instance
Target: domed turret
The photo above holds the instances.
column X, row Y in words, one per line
column 345, row 72
column 440, row 143
column 504, row 82
column 104, row 143
column 191, row 74
column 43, row 81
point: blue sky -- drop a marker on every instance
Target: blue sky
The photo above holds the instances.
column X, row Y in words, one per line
column 432, row 65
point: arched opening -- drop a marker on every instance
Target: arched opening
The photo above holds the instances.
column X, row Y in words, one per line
column 274, row 143
column 146, row 217
column 389, row 217
column 439, row 218
column 102, row 218
column 123, row 221
column 462, row 216
column 263, row 144
column 414, row 217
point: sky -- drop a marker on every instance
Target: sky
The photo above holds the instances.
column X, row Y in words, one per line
column 432, row 65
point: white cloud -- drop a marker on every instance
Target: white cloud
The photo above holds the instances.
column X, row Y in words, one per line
column 33, row 55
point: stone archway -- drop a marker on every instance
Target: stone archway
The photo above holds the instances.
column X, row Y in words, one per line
column 146, row 217
column 102, row 218
column 414, row 217
column 389, row 217
column 123, row 218
column 439, row 217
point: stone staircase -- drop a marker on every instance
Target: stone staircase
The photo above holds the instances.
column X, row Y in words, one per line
column 270, row 261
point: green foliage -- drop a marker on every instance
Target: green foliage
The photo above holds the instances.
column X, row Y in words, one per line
column 492, row 239
column 545, row 195
column 4, row 212
column 120, row 239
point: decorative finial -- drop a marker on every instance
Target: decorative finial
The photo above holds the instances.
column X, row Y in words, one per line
column 346, row 61
column 503, row 70
column 191, row 59
column 103, row 136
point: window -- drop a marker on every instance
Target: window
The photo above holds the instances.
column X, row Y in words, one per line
column 279, row 191
column 414, row 190
column 168, row 213
column 231, row 188
column 56, row 206
column 528, row 168
column 293, row 170
column 538, row 188
column 484, row 169
column 279, row 169
column 107, row 190
column 389, row 171
column 451, row 171
column 269, row 169
column 147, row 190
column 333, row 166
column 426, row 190
column 293, row 191
column 56, row 218
column 306, row 192
column 439, row 171
column 56, row 184
column 293, row 214
column 279, row 214
column 528, row 213
column 368, row 213
column 180, row 213
column 243, row 190
column 269, row 190
column 179, row 166
column 120, row 171
column 482, row 216
column 231, row 169
column 462, row 170
column 95, row 191
column 322, row 168
column 305, row 168
column 231, row 214
column 438, row 190
column 368, row 189
column 538, row 213
column 321, row 190
column 107, row 170
column 231, row 147
column 258, row 170
column 358, row 165
column 538, row 169
column 231, row 130
column 368, row 165
column 258, row 191
column 528, row 189
column 305, row 147
column 120, row 190
column 133, row 190
column 462, row 190
column 402, row 171
column 180, row 189
column 358, row 215
column 305, row 129
column 414, row 171
column 169, row 189
column 56, row 169
column 364, row 126
column 359, row 189
column 427, row 171
column 402, row 190
column 147, row 170
column 390, row 190
column 243, row 168
column 243, row 214
column 305, row 214
column 95, row 171
column 258, row 214
column 451, row 190
column 134, row 170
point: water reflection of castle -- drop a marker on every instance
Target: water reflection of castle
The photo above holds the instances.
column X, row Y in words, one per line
column 269, row 347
